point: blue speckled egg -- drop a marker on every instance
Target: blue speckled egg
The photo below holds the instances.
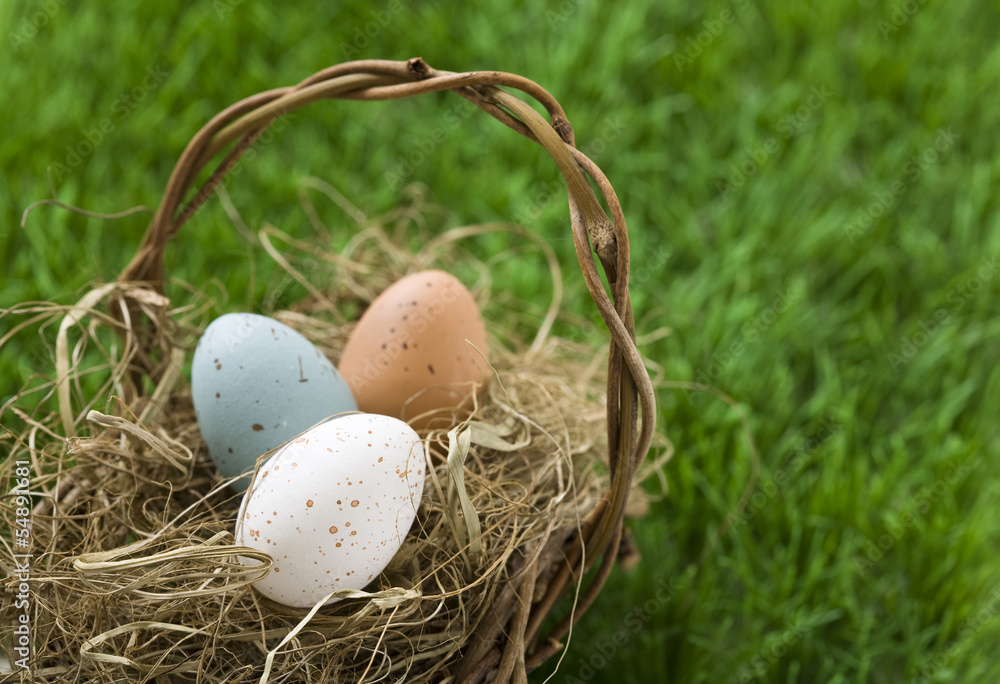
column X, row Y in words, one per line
column 256, row 383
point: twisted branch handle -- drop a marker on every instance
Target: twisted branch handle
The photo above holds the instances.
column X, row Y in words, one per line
column 517, row 616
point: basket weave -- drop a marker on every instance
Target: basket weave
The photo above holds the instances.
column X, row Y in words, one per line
column 511, row 643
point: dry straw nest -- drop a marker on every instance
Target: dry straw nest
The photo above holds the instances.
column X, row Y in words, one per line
column 133, row 575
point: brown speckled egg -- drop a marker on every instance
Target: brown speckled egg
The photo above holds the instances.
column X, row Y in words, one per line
column 333, row 506
column 421, row 346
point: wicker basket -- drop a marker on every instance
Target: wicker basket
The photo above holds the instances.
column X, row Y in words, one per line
column 511, row 642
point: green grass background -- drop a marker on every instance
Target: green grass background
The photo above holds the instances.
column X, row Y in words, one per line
column 872, row 387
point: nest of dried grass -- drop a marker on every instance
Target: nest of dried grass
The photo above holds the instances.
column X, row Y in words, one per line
column 133, row 572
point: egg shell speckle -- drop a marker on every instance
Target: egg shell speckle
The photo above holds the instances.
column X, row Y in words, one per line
column 333, row 507
column 408, row 354
column 256, row 383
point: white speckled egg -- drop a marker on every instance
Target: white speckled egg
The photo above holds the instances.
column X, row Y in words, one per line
column 256, row 383
column 333, row 507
